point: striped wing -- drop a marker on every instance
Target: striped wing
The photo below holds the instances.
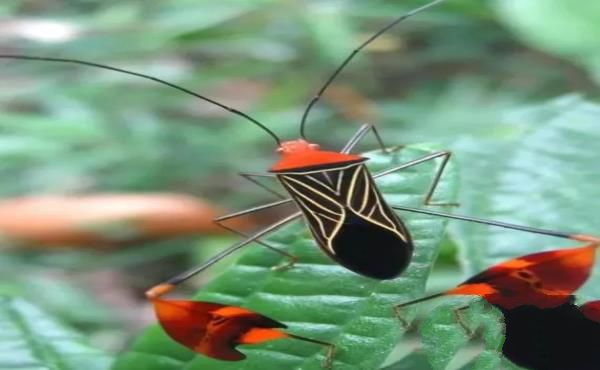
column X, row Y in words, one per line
column 319, row 203
column 326, row 197
column 361, row 195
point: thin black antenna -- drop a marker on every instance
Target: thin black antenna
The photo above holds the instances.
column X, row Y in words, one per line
column 339, row 69
column 163, row 82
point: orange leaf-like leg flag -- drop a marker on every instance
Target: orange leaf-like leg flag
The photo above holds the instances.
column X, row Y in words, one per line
column 544, row 280
column 215, row 329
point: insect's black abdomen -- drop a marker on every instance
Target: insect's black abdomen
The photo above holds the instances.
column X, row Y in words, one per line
column 557, row 338
column 370, row 250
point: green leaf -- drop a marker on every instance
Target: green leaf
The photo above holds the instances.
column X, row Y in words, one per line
column 416, row 360
column 331, row 32
column 32, row 340
column 563, row 27
column 548, row 178
column 444, row 335
column 317, row 298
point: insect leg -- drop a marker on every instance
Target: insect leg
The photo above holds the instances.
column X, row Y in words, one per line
column 460, row 319
column 398, row 307
column 169, row 285
column 291, row 258
column 444, row 155
column 398, row 313
column 360, row 134
column 330, row 349
column 559, row 234
column 252, row 210
column 220, row 221
column 251, row 176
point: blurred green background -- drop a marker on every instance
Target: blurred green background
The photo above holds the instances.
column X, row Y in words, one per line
column 464, row 74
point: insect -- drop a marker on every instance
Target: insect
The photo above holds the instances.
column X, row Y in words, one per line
column 334, row 191
column 556, row 338
column 215, row 330
column 544, row 329
column 543, row 279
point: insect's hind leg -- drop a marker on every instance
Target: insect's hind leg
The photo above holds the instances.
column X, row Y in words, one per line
column 220, row 221
column 360, row 134
column 292, row 259
column 445, row 157
column 460, row 319
column 330, row 349
column 161, row 289
column 252, row 177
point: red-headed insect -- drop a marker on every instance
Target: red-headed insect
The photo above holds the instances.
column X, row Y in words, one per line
column 556, row 338
column 337, row 196
column 215, row 330
column 334, row 191
column 534, row 293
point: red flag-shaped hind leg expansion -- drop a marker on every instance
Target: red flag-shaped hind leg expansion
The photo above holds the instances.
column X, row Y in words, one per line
column 214, row 329
column 186, row 322
column 544, row 280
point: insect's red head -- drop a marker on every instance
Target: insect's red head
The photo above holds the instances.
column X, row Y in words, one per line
column 297, row 146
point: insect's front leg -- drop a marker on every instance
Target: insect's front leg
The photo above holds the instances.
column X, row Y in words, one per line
column 445, row 157
column 360, row 134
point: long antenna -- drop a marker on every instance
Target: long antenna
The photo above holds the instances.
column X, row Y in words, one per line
column 339, row 69
column 147, row 77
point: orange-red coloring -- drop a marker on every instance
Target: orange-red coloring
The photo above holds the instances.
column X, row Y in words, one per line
column 544, row 280
column 300, row 155
column 215, row 329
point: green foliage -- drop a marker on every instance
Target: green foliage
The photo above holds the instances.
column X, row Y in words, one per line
column 566, row 28
column 467, row 75
column 32, row 340
column 543, row 178
column 415, row 360
column 449, row 327
column 539, row 179
column 317, row 298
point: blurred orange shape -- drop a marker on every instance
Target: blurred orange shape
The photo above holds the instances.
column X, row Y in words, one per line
column 101, row 220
